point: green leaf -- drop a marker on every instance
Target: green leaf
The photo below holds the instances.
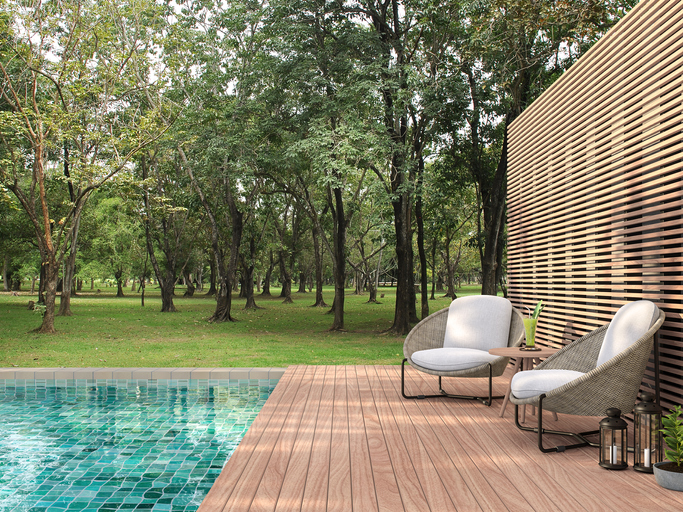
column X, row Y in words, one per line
column 538, row 309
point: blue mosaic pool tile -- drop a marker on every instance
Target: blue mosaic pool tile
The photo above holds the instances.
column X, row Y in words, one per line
column 111, row 444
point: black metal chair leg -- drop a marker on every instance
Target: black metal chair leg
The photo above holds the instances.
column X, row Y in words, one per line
column 540, row 431
column 443, row 394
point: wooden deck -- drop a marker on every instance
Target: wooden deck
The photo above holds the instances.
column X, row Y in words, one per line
column 342, row 438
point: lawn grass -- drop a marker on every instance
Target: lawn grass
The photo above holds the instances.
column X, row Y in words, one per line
column 106, row 331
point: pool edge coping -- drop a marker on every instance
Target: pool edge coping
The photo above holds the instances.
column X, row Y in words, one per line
column 140, row 373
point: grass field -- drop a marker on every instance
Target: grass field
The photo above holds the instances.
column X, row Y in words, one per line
column 106, row 331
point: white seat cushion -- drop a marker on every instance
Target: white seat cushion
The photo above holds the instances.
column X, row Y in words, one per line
column 630, row 323
column 451, row 359
column 478, row 322
column 534, row 382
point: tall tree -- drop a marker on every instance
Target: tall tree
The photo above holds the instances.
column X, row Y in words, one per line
column 327, row 105
column 66, row 79
column 520, row 47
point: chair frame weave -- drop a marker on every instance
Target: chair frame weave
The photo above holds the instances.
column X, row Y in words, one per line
column 615, row 383
column 430, row 333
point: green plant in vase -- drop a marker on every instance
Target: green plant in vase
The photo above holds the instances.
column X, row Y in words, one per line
column 669, row 473
column 673, row 437
column 530, row 326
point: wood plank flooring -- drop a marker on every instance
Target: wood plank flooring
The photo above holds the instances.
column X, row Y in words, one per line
column 341, row 438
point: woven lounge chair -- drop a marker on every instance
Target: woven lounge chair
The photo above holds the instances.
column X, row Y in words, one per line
column 454, row 342
column 603, row 369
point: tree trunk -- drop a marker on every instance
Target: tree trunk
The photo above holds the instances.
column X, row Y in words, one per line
column 188, row 282
column 319, row 301
column 167, row 291
column 67, row 286
column 358, row 283
column 118, row 275
column 224, row 301
column 494, row 224
column 248, row 273
column 166, row 284
column 142, row 287
column 433, row 254
column 212, row 277
column 51, row 277
column 421, row 247
column 5, row 273
column 401, row 324
column 70, row 261
column 412, row 301
column 242, row 286
column 286, row 279
column 132, row 286
column 41, row 284
column 199, row 279
column 225, row 276
column 339, row 248
column 269, row 275
column 249, row 290
column 302, row 283
column 372, row 290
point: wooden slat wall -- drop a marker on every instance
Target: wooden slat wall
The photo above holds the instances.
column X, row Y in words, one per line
column 595, row 188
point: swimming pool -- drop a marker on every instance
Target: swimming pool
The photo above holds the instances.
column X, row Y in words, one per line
column 87, row 445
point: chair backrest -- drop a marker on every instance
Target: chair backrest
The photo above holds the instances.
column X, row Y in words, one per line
column 478, row 321
column 629, row 324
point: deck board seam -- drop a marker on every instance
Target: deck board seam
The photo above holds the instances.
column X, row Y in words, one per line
column 374, row 412
column 304, row 385
column 429, row 452
column 510, row 473
column 365, row 436
column 386, row 424
column 444, row 405
column 300, row 442
column 400, row 407
column 430, row 404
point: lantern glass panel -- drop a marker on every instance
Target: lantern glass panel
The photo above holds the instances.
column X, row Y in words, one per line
column 647, row 446
column 613, row 449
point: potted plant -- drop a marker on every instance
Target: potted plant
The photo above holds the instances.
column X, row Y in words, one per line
column 669, row 474
column 530, row 326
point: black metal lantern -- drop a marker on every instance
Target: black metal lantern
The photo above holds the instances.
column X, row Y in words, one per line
column 647, row 434
column 613, row 444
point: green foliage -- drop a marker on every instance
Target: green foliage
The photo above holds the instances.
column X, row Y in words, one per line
column 280, row 105
column 537, row 310
column 673, row 435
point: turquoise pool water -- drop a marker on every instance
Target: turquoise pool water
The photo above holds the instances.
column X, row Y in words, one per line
column 119, row 445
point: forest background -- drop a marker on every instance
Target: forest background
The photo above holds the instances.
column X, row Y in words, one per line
column 233, row 146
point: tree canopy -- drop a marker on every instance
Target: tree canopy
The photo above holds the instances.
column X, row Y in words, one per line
column 248, row 142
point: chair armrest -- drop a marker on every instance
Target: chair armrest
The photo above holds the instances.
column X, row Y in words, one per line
column 427, row 334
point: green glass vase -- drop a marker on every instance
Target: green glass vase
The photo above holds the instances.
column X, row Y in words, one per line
column 530, row 331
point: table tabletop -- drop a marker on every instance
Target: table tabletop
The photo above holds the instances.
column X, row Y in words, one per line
column 515, row 352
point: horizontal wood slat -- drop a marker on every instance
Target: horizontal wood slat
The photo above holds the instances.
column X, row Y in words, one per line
column 595, row 188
